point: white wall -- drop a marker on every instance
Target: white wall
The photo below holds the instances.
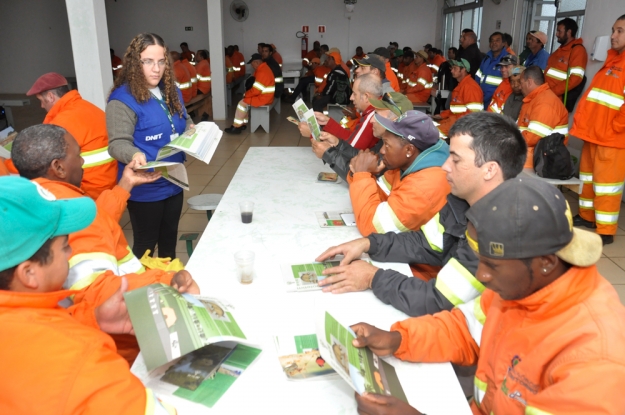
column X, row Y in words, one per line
column 509, row 12
column 35, row 40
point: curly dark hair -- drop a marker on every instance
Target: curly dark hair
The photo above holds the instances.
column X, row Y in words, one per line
column 132, row 73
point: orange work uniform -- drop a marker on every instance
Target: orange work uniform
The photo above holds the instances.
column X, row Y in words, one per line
column 229, row 70
column 600, row 122
column 500, row 96
column 557, row 351
column 542, row 114
column 183, row 81
column 321, row 76
column 419, row 83
column 392, row 78
column 203, row 69
column 87, row 124
column 467, row 97
column 54, row 364
column 435, row 64
column 239, row 64
column 261, row 93
column 116, row 65
column 568, row 61
column 278, row 58
column 309, row 57
column 192, row 76
column 401, row 201
column 189, row 56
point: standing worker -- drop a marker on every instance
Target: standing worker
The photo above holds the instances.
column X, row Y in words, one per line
column 86, row 123
column 600, row 122
column 539, row 56
column 182, row 77
column 489, row 74
column 145, row 112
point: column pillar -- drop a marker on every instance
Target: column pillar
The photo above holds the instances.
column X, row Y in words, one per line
column 218, row 65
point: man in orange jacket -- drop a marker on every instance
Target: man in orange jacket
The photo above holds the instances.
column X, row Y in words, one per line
column 504, row 90
column 547, row 334
column 183, row 77
column 276, row 55
column 230, row 67
column 203, row 68
column 568, row 61
column 389, row 73
column 238, row 61
column 84, row 121
column 542, row 112
column 412, row 189
column 83, row 373
column 186, row 52
column 192, row 76
column 600, row 122
column 419, row 82
column 261, row 93
column 315, row 52
column 467, row 97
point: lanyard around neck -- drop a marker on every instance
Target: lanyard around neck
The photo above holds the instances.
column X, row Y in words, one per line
column 166, row 110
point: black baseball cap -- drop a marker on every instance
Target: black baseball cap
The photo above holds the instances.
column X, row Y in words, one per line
column 383, row 52
column 526, row 217
column 372, row 60
column 414, row 126
column 255, row 57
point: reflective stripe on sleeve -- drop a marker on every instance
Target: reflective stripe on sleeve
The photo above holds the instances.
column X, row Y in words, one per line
column 475, row 318
column 193, row 80
column 84, row 269
column 130, row 264
column 457, row 284
column 577, row 70
column 458, row 109
column 475, row 106
column 385, row 220
column 562, row 129
column 494, row 107
column 479, row 75
column 609, row 99
column 422, row 81
column 242, row 64
column 384, row 185
column 556, row 74
column 607, row 189
column 204, row 78
column 279, row 79
column 433, row 232
column 530, row 410
column 259, row 86
column 96, row 157
column 318, row 80
column 493, row 80
column 184, row 85
column 269, row 90
column 538, row 128
column 479, row 390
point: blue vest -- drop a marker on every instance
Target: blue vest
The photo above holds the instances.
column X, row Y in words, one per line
column 152, row 132
column 489, row 75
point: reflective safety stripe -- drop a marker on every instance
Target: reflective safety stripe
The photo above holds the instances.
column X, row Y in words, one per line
column 241, row 107
column 578, row 70
column 538, row 128
column 318, row 80
column 457, row 283
column 204, row 78
column 185, row 85
column 412, row 84
column 84, row 269
column 475, row 106
column 603, row 189
column 117, row 67
column 433, row 232
column 269, row 90
column 458, row 109
column 236, row 68
column 585, row 177
column 231, row 69
column 606, row 98
column 556, row 74
column 561, row 129
column 193, row 80
column 606, row 218
column 154, row 406
column 493, row 80
column 494, row 107
column 325, row 76
column 279, row 79
column 435, row 67
column 259, row 86
column 384, row 185
column 479, row 75
column 385, row 220
column 306, row 61
column 394, row 70
column 422, row 81
column 238, row 121
column 479, row 390
column 586, row 203
column 475, row 318
column 280, row 65
column 530, row 410
column 96, row 157
column 130, row 264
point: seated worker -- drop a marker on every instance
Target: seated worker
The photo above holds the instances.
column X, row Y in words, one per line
column 186, row 53
column 406, row 66
column 398, row 68
column 230, row 69
column 547, row 335
column 512, row 106
column 488, row 76
column 192, row 75
column 360, row 55
column 412, row 189
column 83, row 373
column 183, row 77
column 467, row 97
column 374, row 64
column 239, row 62
column 507, row 44
column 203, row 68
column 435, row 59
column 314, row 53
column 385, row 54
column 504, row 90
column 419, row 80
column 276, row 69
column 338, row 153
column 538, row 56
column 260, row 94
column 542, row 113
column 486, row 149
column 313, row 76
column 337, row 89
column 84, row 121
column 321, row 75
column 116, row 63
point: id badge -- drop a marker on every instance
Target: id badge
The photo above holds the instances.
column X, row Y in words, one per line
column 173, row 137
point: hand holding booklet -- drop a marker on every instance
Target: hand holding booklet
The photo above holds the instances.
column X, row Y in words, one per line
column 308, row 116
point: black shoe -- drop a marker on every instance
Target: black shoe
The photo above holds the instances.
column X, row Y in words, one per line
column 233, row 130
column 607, row 239
column 579, row 221
column 243, row 127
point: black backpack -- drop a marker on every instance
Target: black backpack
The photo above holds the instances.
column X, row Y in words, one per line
column 552, row 159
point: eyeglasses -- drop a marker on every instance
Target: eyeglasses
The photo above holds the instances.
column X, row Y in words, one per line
column 387, row 98
column 150, row 62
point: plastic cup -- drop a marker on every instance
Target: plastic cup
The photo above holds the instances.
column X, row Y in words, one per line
column 247, row 210
column 245, row 266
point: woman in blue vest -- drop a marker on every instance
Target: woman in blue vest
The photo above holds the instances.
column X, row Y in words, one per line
column 143, row 114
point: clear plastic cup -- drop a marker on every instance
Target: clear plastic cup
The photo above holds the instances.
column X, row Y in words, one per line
column 247, row 210
column 245, row 266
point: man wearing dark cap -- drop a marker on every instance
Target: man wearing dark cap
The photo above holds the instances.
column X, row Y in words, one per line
column 548, row 333
column 489, row 74
column 413, row 188
column 86, row 123
column 390, row 74
column 504, row 89
column 419, row 82
column 375, row 65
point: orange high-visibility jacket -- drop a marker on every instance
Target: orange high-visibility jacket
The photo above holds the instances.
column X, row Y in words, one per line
column 321, row 76
column 600, row 116
column 500, row 96
column 116, row 65
column 309, row 57
column 558, row 351
column 203, row 69
column 435, row 64
column 393, row 203
column 419, row 83
column 229, row 70
column 277, row 57
column 87, row 124
column 189, row 56
column 52, row 364
column 261, row 93
column 4, row 170
column 192, row 76
column 183, row 81
column 569, row 57
column 542, row 113
column 392, row 78
column 467, row 97
column 239, row 64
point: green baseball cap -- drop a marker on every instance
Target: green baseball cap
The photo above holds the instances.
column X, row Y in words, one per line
column 30, row 215
column 394, row 101
column 462, row 62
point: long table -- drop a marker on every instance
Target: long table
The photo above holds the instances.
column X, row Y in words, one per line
column 281, row 181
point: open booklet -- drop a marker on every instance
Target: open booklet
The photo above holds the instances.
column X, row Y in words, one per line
column 359, row 367
column 300, row 358
column 6, row 143
column 191, row 346
column 335, row 219
column 308, row 116
column 306, row 277
column 171, row 171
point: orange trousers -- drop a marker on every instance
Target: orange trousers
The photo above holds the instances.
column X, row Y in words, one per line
column 602, row 169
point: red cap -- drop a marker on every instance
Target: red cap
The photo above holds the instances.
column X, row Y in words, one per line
column 46, row 82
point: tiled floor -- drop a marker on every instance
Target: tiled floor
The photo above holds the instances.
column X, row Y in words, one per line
column 215, row 177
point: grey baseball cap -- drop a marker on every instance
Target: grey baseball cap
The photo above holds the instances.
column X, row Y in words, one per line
column 508, row 60
column 526, row 218
column 414, row 126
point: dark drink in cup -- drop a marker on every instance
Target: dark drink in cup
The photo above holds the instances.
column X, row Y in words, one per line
column 246, row 217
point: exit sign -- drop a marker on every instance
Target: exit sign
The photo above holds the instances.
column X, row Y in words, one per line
column 188, row 28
